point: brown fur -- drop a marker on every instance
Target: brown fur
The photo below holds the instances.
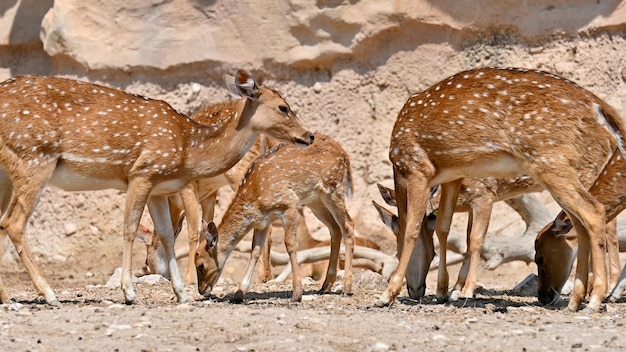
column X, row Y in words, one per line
column 502, row 123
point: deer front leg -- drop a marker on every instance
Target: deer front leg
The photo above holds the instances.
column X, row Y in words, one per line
column 159, row 211
column 411, row 198
column 258, row 241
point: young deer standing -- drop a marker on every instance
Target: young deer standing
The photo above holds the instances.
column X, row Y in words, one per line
column 503, row 123
column 199, row 197
column 557, row 240
column 274, row 187
column 80, row 136
column 476, row 196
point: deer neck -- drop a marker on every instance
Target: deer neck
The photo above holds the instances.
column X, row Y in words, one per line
column 213, row 147
column 236, row 223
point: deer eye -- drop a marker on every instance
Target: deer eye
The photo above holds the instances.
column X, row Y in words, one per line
column 201, row 267
column 283, row 108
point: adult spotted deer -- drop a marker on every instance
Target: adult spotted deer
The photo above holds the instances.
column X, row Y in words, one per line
column 199, row 197
column 80, row 136
column 476, row 196
column 555, row 244
column 499, row 123
column 274, row 187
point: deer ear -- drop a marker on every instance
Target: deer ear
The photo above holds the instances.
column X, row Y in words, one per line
column 385, row 215
column 561, row 225
column 242, row 85
column 388, row 194
column 211, row 236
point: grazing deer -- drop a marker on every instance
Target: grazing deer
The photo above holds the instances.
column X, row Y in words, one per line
column 501, row 123
column 274, row 187
column 200, row 196
column 556, row 242
column 80, row 136
column 476, row 197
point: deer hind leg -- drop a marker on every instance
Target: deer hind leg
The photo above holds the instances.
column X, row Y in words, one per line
column 612, row 243
column 449, row 195
column 27, row 191
column 341, row 226
column 411, row 196
column 291, row 244
column 477, row 230
column 588, row 217
column 191, row 205
column 463, row 272
column 264, row 270
column 258, row 241
column 159, row 211
column 5, row 197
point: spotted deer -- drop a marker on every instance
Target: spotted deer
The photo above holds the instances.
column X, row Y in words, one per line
column 274, row 187
column 199, row 197
column 555, row 244
column 476, row 197
column 492, row 122
column 81, row 136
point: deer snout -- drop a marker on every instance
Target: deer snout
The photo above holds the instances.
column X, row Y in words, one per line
column 306, row 140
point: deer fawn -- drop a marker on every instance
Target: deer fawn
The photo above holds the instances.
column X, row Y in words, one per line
column 476, row 196
column 503, row 123
column 556, row 242
column 198, row 197
column 274, row 187
column 80, row 136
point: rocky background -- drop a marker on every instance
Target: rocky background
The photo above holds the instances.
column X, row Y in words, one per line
column 345, row 66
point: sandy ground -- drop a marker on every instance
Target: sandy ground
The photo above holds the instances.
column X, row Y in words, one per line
column 92, row 317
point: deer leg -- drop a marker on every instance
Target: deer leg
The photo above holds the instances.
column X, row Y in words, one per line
column 476, row 239
column 460, row 282
column 159, row 211
column 324, row 215
column 189, row 196
column 588, row 217
column 291, row 244
column 15, row 220
column 264, row 270
column 258, row 241
column 4, row 296
column 346, row 226
column 411, row 197
column 449, row 195
column 613, row 252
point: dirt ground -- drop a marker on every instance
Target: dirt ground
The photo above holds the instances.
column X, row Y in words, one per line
column 92, row 317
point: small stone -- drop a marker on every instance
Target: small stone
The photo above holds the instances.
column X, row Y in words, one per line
column 70, row 228
column 317, row 87
column 378, row 347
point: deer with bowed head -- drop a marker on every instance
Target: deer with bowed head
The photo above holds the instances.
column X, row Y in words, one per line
column 555, row 244
column 476, row 197
column 199, row 198
column 81, row 136
column 275, row 186
column 492, row 122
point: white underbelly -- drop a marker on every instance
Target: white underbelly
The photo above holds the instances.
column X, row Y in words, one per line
column 501, row 167
column 68, row 180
